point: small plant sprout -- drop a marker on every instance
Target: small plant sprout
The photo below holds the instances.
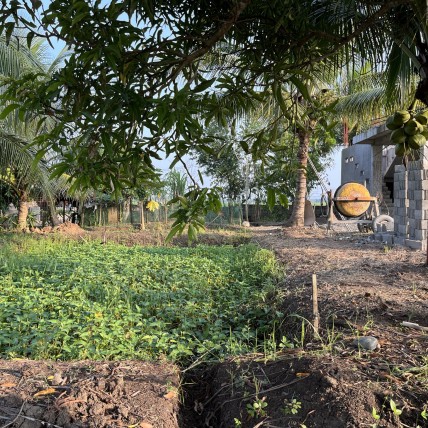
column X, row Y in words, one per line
column 424, row 414
column 256, row 409
column 376, row 416
column 285, row 344
column 291, row 407
column 237, row 422
column 397, row 412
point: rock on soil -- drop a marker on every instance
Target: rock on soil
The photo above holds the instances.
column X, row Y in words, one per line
column 369, row 342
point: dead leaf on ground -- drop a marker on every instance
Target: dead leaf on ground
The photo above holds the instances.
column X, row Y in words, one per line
column 170, row 395
column 43, row 392
column 7, row 385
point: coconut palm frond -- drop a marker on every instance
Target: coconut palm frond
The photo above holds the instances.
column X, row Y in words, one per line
column 18, row 158
column 399, row 71
column 17, row 59
column 57, row 63
column 18, row 155
column 364, row 105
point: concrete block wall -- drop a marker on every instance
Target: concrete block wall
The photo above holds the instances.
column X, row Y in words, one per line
column 411, row 202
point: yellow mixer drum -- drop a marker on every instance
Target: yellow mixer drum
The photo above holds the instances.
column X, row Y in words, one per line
column 346, row 199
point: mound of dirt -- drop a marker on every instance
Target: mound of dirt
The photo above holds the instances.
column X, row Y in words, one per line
column 67, row 228
column 35, row 394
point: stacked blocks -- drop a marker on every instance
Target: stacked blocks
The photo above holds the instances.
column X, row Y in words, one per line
column 411, row 203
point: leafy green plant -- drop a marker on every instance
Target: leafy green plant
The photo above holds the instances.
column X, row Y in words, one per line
column 285, row 343
column 257, row 408
column 63, row 299
column 291, row 407
column 31, row 220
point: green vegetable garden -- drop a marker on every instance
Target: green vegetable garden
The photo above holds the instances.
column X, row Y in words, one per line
column 62, row 299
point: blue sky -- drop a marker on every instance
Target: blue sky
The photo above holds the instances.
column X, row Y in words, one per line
column 332, row 173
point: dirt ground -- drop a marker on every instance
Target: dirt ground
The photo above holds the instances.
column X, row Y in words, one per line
column 364, row 289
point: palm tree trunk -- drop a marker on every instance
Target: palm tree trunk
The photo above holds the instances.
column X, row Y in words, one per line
column 298, row 213
column 22, row 211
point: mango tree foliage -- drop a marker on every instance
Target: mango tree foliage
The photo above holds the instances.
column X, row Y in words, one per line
column 135, row 86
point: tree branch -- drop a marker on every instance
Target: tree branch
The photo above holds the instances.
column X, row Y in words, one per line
column 217, row 36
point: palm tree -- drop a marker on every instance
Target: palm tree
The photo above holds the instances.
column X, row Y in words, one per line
column 18, row 165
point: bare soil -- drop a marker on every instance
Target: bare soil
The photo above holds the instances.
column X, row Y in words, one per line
column 365, row 289
column 35, row 394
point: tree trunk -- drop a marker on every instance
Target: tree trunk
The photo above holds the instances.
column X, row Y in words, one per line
column 230, row 212
column 298, row 213
column 345, row 133
column 52, row 212
column 81, row 211
column 22, row 211
column 247, row 187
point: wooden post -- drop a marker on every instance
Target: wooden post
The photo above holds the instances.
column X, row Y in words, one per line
column 315, row 304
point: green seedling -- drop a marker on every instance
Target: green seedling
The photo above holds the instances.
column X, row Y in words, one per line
column 397, row 412
column 291, row 407
column 376, row 417
column 257, row 408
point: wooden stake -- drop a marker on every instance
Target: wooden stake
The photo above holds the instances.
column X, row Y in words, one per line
column 315, row 304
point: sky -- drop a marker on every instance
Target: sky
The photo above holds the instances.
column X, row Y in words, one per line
column 332, row 174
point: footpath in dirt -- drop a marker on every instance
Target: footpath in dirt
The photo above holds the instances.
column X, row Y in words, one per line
column 366, row 289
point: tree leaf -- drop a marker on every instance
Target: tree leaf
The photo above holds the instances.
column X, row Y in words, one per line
column 43, row 392
column 301, row 86
column 203, row 85
column 30, row 37
column 283, row 200
column 271, row 199
column 8, row 109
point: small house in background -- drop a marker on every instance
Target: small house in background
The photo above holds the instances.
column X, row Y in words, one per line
column 403, row 190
